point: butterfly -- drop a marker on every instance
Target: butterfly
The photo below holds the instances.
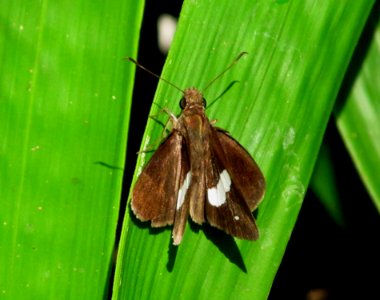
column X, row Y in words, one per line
column 200, row 171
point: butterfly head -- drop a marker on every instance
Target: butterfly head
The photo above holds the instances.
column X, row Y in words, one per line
column 192, row 98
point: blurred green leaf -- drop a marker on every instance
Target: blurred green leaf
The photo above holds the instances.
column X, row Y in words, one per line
column 64, row 113
column 298, row 55
column 358, row 117
column 324, row 184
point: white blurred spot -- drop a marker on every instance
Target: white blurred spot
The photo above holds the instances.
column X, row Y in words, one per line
column 166, row 27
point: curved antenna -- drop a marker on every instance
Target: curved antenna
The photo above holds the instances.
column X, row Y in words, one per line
column 225, row 70
column 151, row 73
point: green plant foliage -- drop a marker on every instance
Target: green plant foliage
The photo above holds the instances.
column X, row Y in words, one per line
column 65, row 96
column 324, row 184
column 64, row 114
column 278, row 109
column 358, row 118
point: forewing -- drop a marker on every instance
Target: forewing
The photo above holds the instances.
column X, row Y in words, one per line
column 155, row 193
column 248, row 180
column 235, row 186
column 226, row 208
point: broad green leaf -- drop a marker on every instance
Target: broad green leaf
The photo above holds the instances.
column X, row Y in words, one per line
column 358, row 117
column 278, row 109
column 64, row 113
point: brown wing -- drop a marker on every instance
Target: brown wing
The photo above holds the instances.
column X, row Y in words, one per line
column 155, row 193
column 235, row 186
column 234, row 217
column 245, row 173
column 225, row 206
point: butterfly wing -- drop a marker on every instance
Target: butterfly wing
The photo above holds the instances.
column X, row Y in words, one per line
column 234, row 216
column 234, row 185
column 155, row 194
column 245, row 173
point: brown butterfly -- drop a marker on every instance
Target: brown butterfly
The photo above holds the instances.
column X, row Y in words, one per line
column 201, row 171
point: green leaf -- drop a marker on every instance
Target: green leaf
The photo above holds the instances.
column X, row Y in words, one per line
column 358, row 117
column 298, row 54
column 324, row 184
column 64, row 113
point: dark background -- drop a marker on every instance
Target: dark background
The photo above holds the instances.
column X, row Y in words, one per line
column 323, row 260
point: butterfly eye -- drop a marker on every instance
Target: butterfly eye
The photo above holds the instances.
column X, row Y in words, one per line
column 182, row 103
column 204, row 102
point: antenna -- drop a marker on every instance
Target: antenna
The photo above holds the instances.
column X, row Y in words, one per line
column 155, row 75
column 225, row 70
column 176, row 87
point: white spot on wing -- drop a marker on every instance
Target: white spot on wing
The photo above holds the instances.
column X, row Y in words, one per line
column 217, row 195
column 183, row 189
column 226, row 180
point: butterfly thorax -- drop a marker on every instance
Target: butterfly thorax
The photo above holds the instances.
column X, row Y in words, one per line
column 194, row 125
column 193, row 121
